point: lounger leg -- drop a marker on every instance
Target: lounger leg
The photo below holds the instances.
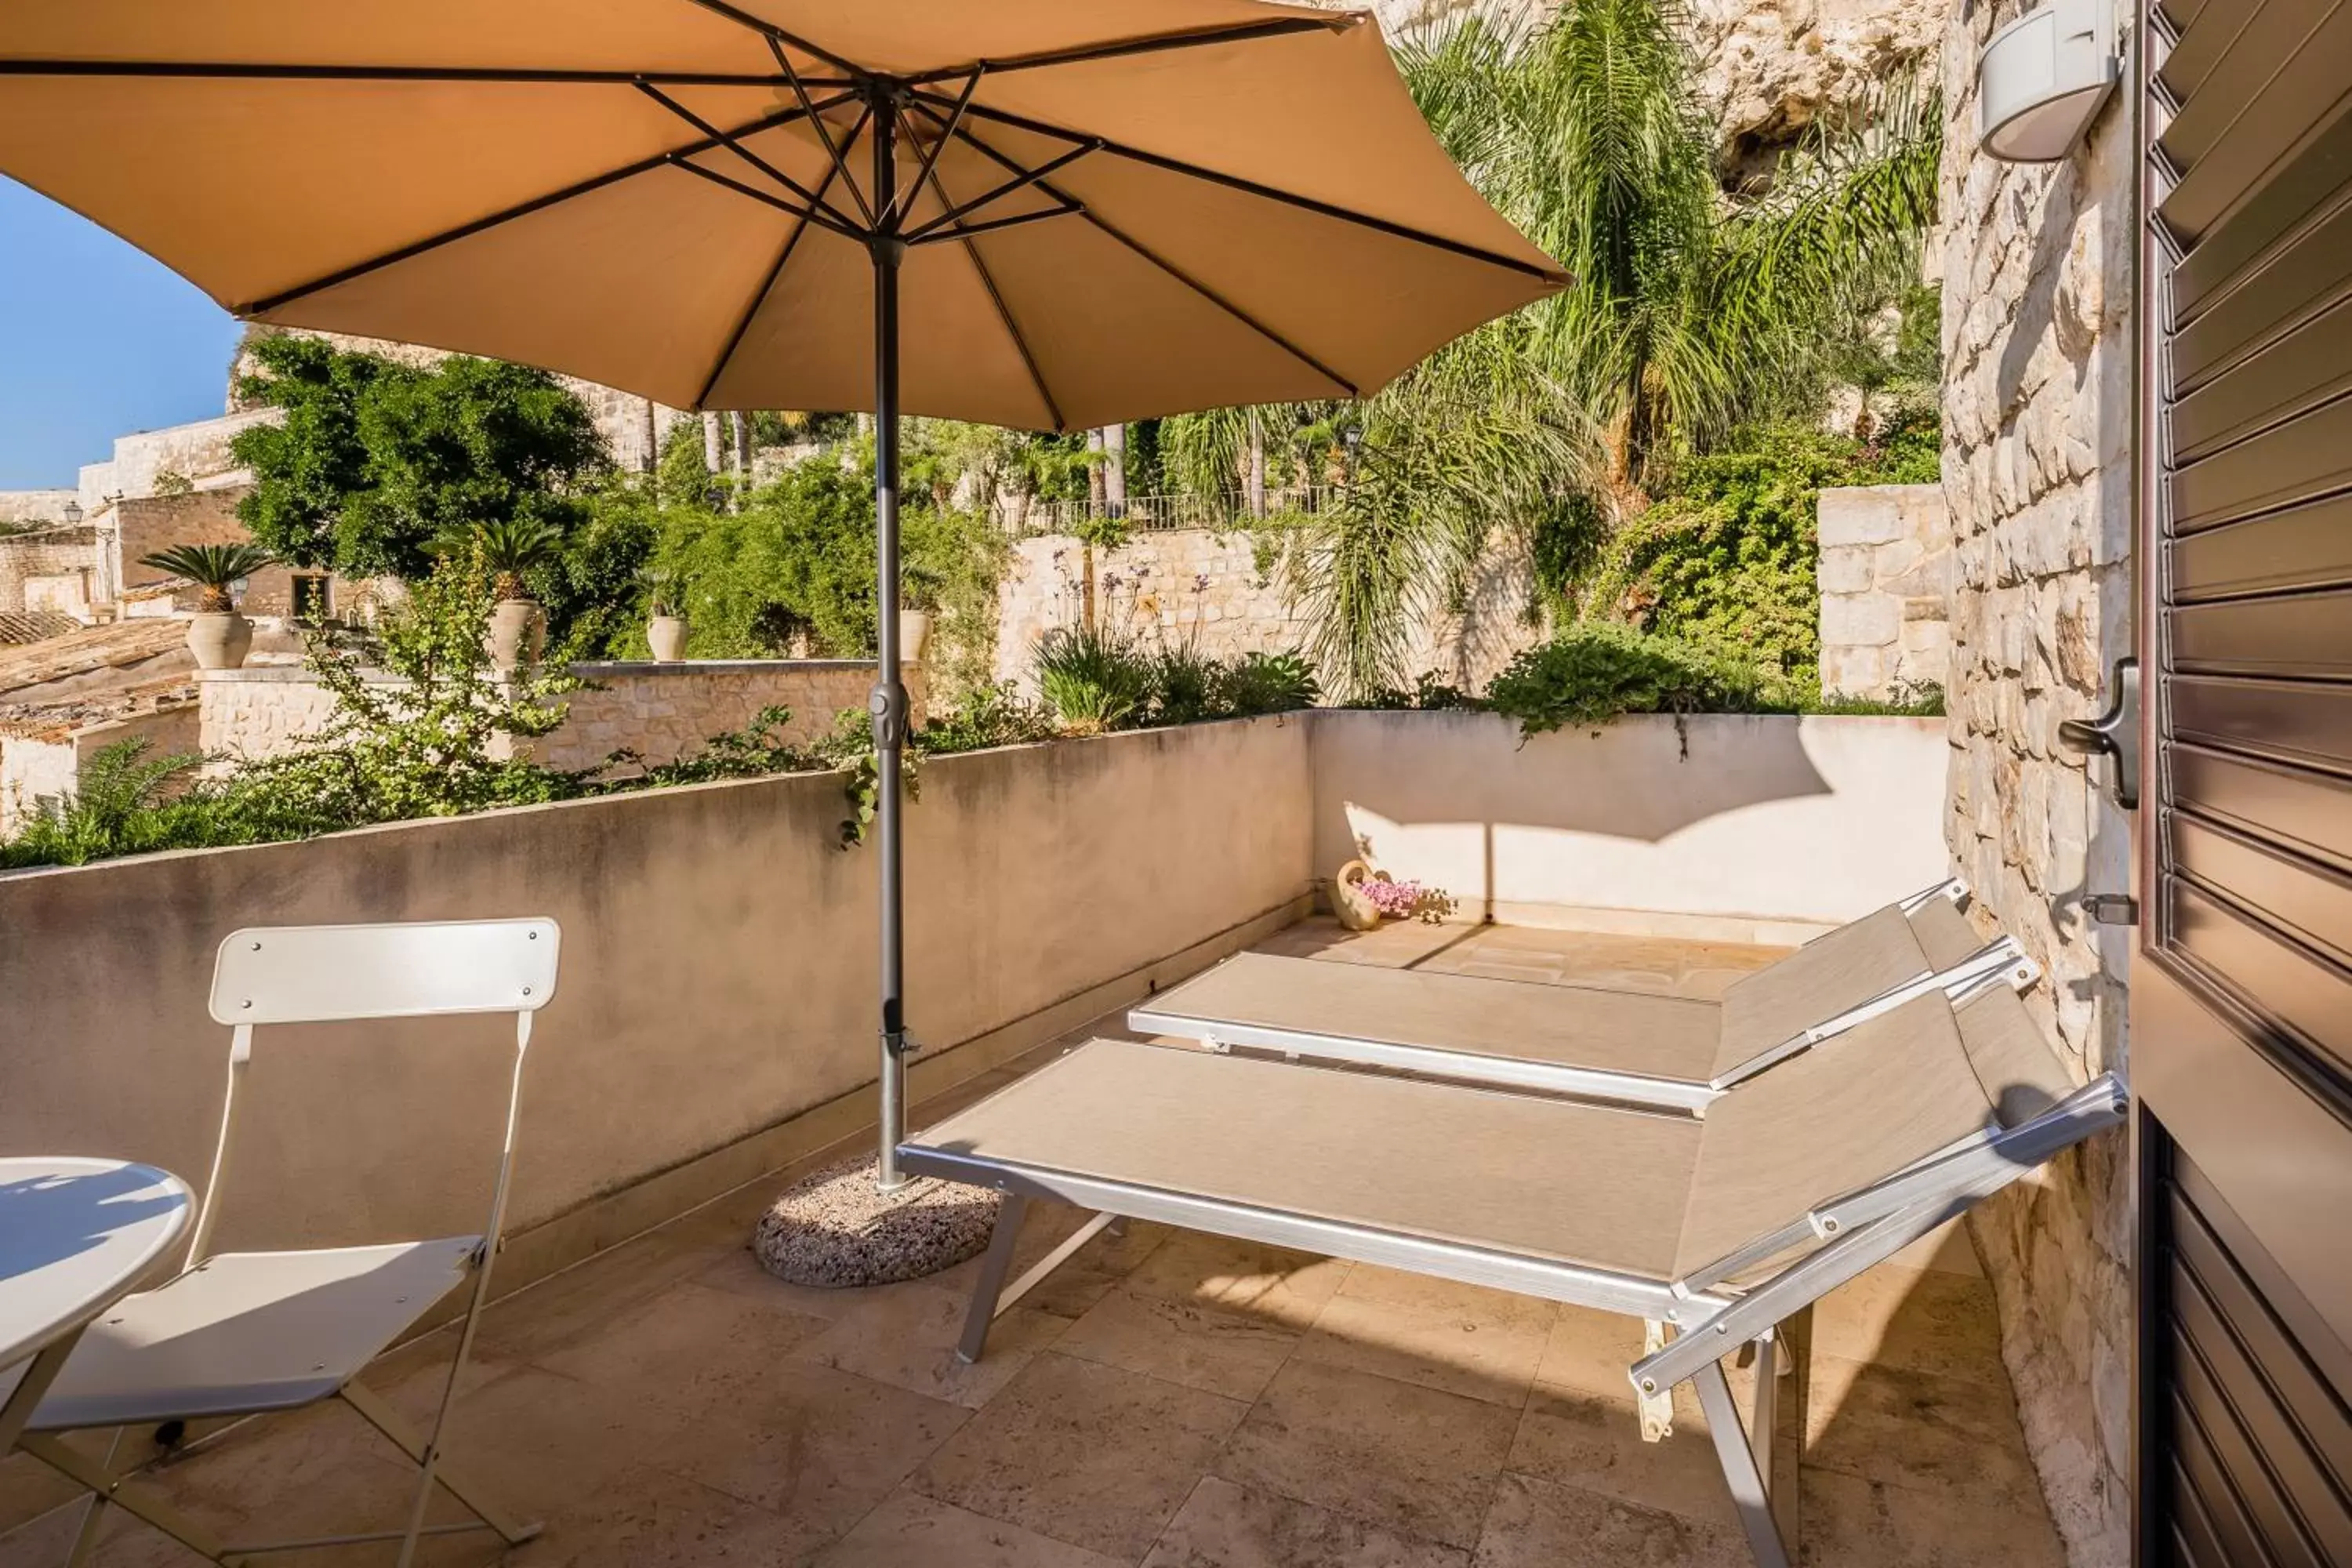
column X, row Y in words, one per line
column 1739, row 1467
column 454, row 1479
column 1780, row 1440
column 993, row 1270
column 1657, row 1410
column 76, row 1466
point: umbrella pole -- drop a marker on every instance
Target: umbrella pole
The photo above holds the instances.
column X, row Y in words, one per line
column 888, row 701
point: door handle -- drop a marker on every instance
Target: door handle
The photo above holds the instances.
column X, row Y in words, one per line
column 2115, row 733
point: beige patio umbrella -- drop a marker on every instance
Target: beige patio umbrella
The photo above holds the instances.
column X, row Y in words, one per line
column 1031, row 213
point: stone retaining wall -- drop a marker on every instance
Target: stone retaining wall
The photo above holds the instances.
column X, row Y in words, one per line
column 661, row 711
column 1887, row 590
column 2037, row 474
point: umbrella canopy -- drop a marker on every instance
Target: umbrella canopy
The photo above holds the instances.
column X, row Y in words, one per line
column 1108, row 211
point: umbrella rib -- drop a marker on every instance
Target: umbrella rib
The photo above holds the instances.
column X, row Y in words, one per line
column 1169, row 267
column 767, row 285
column 1251, row 187
column 520, row 209
column 824, row 131
column 1003, row 310
column 939, row 145
column 1151, row 44
column 808, row 213
column 935, row 233
column 775, row 35
column 736, row 147
column 264, row 70
column 957, row 213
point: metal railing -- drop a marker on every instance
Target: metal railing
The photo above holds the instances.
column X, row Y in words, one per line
column 1162, row 513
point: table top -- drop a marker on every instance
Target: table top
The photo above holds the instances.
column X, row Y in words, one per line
column 76, row 1236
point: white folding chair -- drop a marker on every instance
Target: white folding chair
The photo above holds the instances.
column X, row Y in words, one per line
column 240, row 1334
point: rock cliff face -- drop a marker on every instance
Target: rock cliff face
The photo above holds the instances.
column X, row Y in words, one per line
column 1768, row 69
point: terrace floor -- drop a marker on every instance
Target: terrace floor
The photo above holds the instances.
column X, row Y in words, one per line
column 1169, row 1399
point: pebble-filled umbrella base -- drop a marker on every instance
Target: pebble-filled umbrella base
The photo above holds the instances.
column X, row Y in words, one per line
column 834, row 1229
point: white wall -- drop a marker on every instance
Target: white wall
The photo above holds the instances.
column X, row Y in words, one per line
column 1764, row 827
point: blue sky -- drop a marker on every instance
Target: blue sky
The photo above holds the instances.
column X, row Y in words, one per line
column 96, row 340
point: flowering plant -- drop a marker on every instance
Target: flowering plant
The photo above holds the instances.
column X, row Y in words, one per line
column 1407, row 900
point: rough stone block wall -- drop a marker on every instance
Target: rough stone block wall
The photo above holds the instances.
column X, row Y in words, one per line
column 1887, row 589
column 2037, row 473
column 1190, row 587
column 661, row 711
column 150, row 523
column 199, row 453
column 52, row 552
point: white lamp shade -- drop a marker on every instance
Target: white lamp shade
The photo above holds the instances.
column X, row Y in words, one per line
column 2040, row 80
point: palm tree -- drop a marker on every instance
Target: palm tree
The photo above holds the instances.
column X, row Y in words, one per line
column 215, row 568
column 1690, row 312
column 510, row 547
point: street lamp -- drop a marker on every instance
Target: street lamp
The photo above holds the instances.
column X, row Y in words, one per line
column 73, row 513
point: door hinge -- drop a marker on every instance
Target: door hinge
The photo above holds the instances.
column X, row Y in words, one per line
column 2115, row 733
column 2112, row 908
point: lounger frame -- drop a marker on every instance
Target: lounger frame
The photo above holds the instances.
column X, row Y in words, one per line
column 1845, row 1236
column 2000, row 958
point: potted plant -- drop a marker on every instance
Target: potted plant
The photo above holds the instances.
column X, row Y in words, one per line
column 217, row 635
column 510, row 548
column 1363, row 897
column 666, row 630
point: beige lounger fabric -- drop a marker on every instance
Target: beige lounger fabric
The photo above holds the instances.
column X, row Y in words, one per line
column 1637, row 1033
column 1577, row 1184
column 1626, row 1191
column 2014, row 1065
column 1612, row 1031
column 1820, row 980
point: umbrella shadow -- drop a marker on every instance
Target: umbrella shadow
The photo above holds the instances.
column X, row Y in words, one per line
column 37, row 1230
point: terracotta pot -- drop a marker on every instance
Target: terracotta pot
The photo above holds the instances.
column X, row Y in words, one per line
column 220, row 639
column 518, row 634
column 914, row 635
column 1347, row 901
column 667, row 633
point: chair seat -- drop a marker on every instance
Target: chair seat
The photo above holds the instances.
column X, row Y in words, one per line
column 248, row 1331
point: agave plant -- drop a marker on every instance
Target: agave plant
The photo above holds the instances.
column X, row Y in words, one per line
column 1093, row 680
column 215, row 568
column 509, row 547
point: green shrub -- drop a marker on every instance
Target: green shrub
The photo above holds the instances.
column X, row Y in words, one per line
column 991, row 716
column 755, row 751
column 1093, row 680
column 1591, row 673
column 1267, row 683
column 1431, row 693
column 1187, row 686
column 129, row 804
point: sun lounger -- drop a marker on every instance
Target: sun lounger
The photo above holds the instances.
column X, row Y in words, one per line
column 1595, row 1042
column 1723, row 1227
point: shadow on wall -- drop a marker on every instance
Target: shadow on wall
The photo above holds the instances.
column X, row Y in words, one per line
column 1755, row 816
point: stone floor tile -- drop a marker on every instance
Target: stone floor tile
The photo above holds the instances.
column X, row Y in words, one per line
column 648, row 1518
column 1849, row 1522
column 1085, row 1453
column 542, row 1441
column 542, row 1318
column 1397, row 1287
column 910, row 1528
column 686, row 1348
column 1223, row 1525
column 907, row 1339
column 1591, row 1351
column 1460, row 1343
column 810, row 1443
column 1419, row 1460
column 1592, row 1441
column 1542, row 1524
column 1918, row 1319
column 1917, row 1429
column 1275, row 1283
column 1945, row 1248
column 1232, row 1354
column 1088, row 1275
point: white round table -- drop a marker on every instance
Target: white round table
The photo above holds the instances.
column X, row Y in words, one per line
column 76, row 1237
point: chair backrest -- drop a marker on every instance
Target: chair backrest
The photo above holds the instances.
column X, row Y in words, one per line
column 307, row 974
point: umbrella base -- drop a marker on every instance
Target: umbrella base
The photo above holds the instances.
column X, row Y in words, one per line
column 833, row 1230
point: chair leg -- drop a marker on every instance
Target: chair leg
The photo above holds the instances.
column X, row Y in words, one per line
column 993, row 1268
column 93, row 1518
column 32, row 1388
column 1745, row 1478
column 78, row 1467
column 455, row 1478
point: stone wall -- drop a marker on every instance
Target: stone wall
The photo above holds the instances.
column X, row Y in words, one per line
column 34, row 506
column 1887, row 589
column 197, row 452
column 2037, row 472
column 38, row 764
column 1214, row 591
column 661, row 711
column 33, row 560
